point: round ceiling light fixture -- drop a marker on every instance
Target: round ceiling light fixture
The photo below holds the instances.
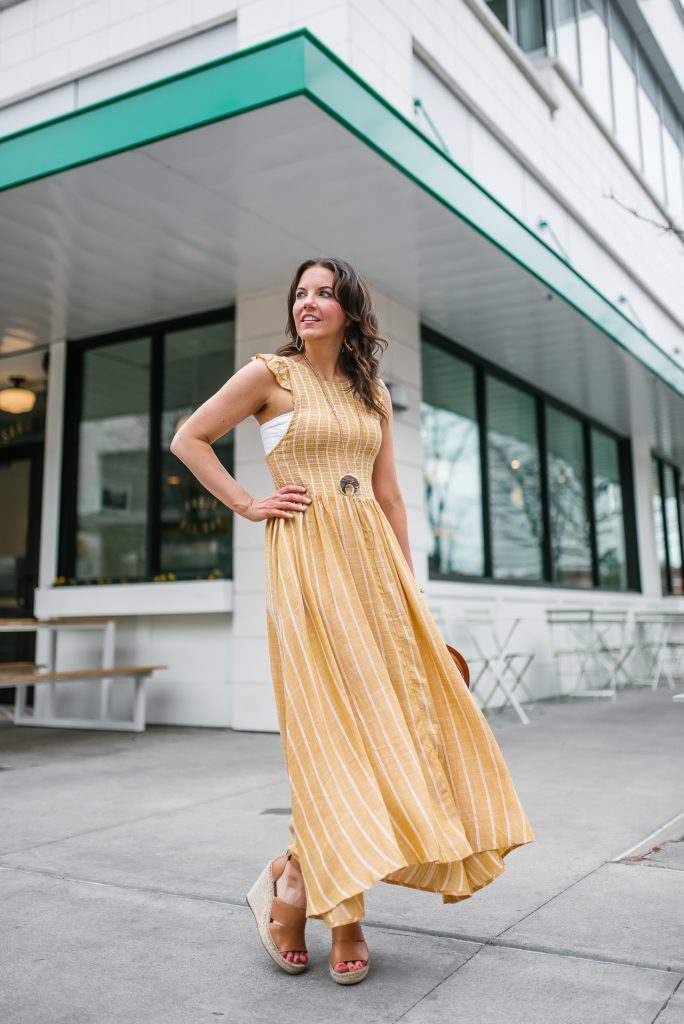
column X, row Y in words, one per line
column 16, row 398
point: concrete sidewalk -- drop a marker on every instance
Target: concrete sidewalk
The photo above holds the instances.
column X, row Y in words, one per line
column 124, row 860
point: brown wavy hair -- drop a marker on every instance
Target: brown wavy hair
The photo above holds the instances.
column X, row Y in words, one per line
column 363, row 333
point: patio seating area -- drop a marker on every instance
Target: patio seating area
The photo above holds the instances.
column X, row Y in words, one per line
column 594, row 653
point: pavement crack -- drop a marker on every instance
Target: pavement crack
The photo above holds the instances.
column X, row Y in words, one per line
column 668, row 1000
column 436, row 986
column 555, row 896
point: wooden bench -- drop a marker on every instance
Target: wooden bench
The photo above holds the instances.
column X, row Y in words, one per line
column 138, row 673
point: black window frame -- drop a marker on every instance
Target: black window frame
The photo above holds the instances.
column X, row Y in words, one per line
column 73, row 395
column 482, row 367
column 661, row 463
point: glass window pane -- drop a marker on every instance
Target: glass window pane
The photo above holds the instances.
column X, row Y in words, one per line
column 530, row 25
column 659, row 528
column 650, row 140
column 500, row 9
column 649, row 80
column 196, row 528
column 570, row 536
column 622, row 35
column 566, row 36
column 608, row 511
column 451, row 464
column 625, row 100
column 111, row 539
column 594, row 53
column 514, row 487
column 674, row 543
column 673, row 177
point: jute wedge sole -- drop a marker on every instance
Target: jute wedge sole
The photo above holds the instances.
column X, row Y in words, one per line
column 349, row 977
column 260, row 899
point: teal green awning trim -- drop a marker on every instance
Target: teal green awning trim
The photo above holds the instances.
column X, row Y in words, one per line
column 299, row 65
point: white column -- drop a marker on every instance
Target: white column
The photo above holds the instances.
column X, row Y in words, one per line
column 51, row 497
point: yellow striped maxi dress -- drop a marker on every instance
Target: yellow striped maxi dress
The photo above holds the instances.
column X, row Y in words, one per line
column 394, row 773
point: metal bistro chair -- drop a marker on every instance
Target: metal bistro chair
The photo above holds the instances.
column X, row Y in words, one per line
column 596, row 644
column 659, row 638
column 491, row 638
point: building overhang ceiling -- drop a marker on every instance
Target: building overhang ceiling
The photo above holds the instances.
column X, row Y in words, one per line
column 184, row 194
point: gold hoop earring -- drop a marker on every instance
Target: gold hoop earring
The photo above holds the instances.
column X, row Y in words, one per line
column 349, row 348
column 299, row 344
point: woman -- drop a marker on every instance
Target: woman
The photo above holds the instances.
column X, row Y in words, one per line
column 394, row 773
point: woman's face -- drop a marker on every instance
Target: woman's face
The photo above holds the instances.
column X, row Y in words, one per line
column 317, row 313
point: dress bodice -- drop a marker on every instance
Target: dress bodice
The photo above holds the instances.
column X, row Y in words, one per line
column 316, row 450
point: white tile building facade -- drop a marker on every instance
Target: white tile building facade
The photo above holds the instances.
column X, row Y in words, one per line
column 520, row 126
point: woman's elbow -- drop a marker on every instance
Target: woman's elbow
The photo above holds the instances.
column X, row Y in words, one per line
column 390, row 501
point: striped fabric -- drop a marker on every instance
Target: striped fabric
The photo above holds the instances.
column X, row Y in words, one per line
column 394, row 773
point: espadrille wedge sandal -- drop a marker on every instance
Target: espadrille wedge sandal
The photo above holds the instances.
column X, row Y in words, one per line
column 348, row 944
column 281, row 924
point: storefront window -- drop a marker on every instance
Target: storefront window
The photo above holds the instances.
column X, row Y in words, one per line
column 196, row 529
column 568, row 509
column 113, row 445
column 659, row 525
column 608, row 511
column 563, row 525
column 451, row 465
column 514, row 482
column 667, row 520
column 673, row 528
column 131, row 511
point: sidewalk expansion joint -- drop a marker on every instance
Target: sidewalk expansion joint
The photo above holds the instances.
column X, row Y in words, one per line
column 134, row 821
column 479, row 940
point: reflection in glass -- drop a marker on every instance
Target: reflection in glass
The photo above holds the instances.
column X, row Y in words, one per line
column 451, row 464
column 566, row 36
column 594, row 56
column 514, row 483
column 658, row 523
column 500, row 9
column 672, row 525
column 608, row 511
column 196, row 528
column 111, row 539
column 570, row 537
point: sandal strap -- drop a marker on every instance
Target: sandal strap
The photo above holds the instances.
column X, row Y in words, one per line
column 287, row 939
column 287, row 914
column 348, row 944
column 343, row 951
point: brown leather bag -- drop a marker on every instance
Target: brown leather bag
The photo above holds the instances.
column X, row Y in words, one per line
column 461, row 664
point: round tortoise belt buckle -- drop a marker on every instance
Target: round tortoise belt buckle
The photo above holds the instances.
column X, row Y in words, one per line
column 349, row 484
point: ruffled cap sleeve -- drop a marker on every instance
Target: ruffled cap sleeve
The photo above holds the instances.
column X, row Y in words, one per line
column 279, row 367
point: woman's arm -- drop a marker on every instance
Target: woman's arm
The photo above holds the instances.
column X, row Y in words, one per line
column 247, row 391
column 386, row 484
